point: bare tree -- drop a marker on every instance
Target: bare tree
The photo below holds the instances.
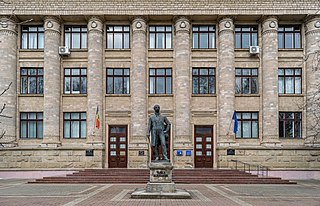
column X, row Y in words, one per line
column 2, row 110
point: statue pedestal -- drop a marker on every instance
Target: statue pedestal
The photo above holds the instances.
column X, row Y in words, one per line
column 160, row 185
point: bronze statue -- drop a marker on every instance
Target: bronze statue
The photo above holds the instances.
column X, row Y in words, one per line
column 159, row 127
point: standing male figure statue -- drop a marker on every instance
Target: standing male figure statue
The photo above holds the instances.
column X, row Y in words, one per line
column 159, row 127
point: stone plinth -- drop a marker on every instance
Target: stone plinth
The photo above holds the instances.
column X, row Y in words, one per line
column 160, row 185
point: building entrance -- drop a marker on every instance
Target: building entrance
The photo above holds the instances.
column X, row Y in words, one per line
column 117, row 147
column 203, row 146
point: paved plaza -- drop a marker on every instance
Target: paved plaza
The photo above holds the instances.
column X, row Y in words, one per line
column 18, row 192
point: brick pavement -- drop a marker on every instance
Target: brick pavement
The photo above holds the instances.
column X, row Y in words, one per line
column 17, row 192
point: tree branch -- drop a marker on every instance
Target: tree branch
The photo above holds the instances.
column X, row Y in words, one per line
column 4, row 91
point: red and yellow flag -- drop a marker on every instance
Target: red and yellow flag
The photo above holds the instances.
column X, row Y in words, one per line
column 97, row 118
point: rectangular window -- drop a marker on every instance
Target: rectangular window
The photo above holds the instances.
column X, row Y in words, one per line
column 247, row 81
column 203, row 81
column 289, row 37
column 32, row 37
column 246, row 36
column 31, row 80
column 118, row 81
column 31, row 125
column 160, row 37
column 160, row 81
column 118, row 37
column 248, row 125
column 203, row 37
column 74, row 125
column 290, row 125
column 75, row 37
column 75, row 81
column 289, row 81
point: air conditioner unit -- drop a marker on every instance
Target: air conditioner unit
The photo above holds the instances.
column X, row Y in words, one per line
column 64, row 50
column 254, row 50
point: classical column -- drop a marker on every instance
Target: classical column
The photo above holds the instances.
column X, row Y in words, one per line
column 270, row 127
column 312, row 49
column 139, row 80
column 226, row 79
column 8, row 79
column 182, row 89
column 95, row 81
column 52, row 77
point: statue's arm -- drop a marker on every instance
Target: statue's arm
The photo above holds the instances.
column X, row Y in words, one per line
column 168, row 124
column 149, row 127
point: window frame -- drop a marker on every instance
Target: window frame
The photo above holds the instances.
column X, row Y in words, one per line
column 285, row 76
column 198, row 76
column 83, row 30
column 31, row 32
column 208, row 32
column 294, row 32
column 37, row 121
column 250, row 76
column 253, row 29
column 71, row 76
column 80, row 120
column 28, row 76
column 156, row 33
column 165, row 76
column 123, row 33
column 251, row 120
column 296, row 120
column 123, row 76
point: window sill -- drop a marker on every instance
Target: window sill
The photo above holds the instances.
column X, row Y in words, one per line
column 79, row 50
column 160, row 49
column 31, row 50
column 204, row 49
column 119, row 50
column 247, row 138
column 291, row 95
column 30, row 95
column 160, row 95
column 204, row 95
column 74, row 95
column 247, row 95
column 117, row 95
column 289, row 49
column 291, row 138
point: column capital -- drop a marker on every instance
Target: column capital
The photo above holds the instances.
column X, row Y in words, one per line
column 95, row 23
column 52, row 23
column 226, row 24
column 8, row 25
column 312, row 24
column 182, row 24
column 139, row 24
column 269, row 24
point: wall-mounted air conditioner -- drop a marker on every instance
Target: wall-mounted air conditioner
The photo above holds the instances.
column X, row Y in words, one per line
column 64, row 50
column 254, row 49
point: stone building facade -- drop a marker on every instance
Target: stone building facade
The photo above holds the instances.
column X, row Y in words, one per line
column 190, row 57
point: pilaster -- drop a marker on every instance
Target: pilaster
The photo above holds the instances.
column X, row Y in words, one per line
column 139, row 83
column 52, row 68
column 8, row 76
column 182, row 89
column 270, row 111
column 225, row 80
column 312, row 63
column 95, row 81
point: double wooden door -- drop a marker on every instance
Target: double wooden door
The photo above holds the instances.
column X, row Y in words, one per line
column 117, row 149
column 203, row 146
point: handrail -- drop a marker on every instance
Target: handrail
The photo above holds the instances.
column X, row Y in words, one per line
column 261, row 170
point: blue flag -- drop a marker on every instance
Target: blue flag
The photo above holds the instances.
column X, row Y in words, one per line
column 235, row 125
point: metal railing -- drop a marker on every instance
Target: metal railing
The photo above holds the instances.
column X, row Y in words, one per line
column 251, row 168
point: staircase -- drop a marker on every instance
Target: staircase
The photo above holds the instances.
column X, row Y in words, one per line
column 180, row 176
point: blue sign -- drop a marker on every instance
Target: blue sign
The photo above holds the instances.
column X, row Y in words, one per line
column 179, row 153
column 188, row 153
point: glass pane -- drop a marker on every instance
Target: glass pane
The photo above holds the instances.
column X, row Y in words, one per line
column 198, row 153
column 83, row 85
column 238, row 85
column 76, row 40
column 198, row 139
column 40, row 41
column 211, row 85
column 289, row 71
column 195, row 44
column 203, row 85
column 212, row 40
column 152, row 85
column 113, row 146
column 152, row 41
column 208, row 139
column 245, row 40
column 160, row 41
column 32, row 115
column 40, row 85
column 209, row 153
column 298, row 85
column 67, row 85
column 254, row 129
column 198, row 146
column 160, row 85
column 288, row 40
column 246, row 129
column 76, row 85
column 109, row 41
column 32, row 87
column 281, row 71
column 118, row 85
column 208, row 146
column 83, row 129
column 84, row 40
column 40, row 129
column 280, row 41
column 289, row 85
column 254, row 115
column 160, row 71
column 109, row 85
column 281, row 85
column 67, row 39
column 23, row 129
column 24, row 39
column 289, row 129
column 126, row 41
column 203, row 40
column 113, row 139
column 24, row 85
column 238, row 40
column 67, row 115
column 245, row 85
column 118, row 40
column 122, row 146
column 195, row 85
column 126, row 89
column 32, row 129
column 123, row 139
column 113, row 153
column 246, row 115
column 297, row 41
column 75, row 116
column 75, row 129
column 168, row 85
column 83, row 115
column 33, row 41
column 254, row 86
column 254, row 39
column 168, row 41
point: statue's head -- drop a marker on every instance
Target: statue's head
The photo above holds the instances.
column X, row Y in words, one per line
column 156, row 108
